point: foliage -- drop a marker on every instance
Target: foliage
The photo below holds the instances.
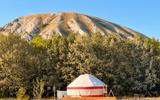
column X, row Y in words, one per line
column 38, row 89
column 21, row 94
column 128, row 67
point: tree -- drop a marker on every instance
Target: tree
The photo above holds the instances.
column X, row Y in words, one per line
column 16, row 64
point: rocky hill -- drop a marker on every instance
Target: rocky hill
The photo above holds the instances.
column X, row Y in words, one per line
column 63, row 24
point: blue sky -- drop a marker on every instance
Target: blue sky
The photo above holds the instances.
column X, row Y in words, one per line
column 140, row 15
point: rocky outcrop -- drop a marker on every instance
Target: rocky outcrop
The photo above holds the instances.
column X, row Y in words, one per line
column 63, row 24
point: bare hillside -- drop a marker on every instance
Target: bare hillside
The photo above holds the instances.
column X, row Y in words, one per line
column 63, row 24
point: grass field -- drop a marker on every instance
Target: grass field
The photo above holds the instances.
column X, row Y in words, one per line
column 23, row 99
column 90, row 98
column 136, row 98
column 133, row 98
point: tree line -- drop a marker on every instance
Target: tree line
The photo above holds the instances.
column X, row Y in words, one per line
column 33, row 68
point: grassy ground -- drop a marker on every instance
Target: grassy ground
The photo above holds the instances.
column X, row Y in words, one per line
column 133, row 98
column 22, row 99
column 137, row 98
column 90, row 98
column 112, row 98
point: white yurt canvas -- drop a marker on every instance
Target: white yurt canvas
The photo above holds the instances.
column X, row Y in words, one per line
column 86, row 85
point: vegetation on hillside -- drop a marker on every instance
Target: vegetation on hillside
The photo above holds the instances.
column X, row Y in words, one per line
column 128, row 67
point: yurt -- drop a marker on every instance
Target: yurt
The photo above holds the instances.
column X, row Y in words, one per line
column 86, row 85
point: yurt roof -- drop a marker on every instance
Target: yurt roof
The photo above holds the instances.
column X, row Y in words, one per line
column 86, row 80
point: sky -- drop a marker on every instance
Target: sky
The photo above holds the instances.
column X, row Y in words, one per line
column 140, row 15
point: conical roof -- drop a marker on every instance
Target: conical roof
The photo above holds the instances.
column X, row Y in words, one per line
column 86, row 80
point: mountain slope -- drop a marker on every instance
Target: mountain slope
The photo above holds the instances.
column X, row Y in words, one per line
column 64, row 23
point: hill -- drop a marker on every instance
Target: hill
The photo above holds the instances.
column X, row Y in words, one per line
column 63, row 24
